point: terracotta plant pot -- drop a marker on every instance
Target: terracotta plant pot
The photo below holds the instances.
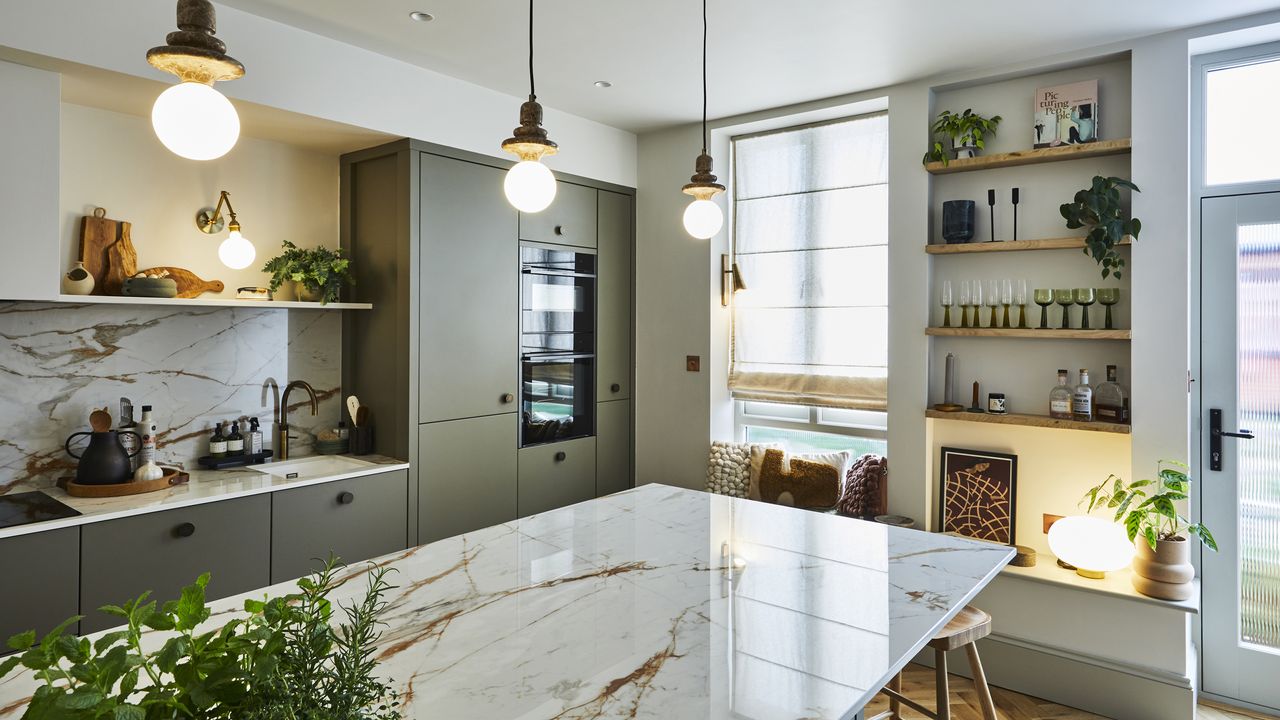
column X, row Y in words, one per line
column 1165, row 573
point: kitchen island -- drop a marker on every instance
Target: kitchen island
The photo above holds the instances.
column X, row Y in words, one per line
column 659, row 603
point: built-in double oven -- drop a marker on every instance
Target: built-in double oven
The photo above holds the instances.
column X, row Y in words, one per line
column 557, row 344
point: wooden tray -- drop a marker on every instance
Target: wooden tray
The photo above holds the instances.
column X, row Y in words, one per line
column 172, row 476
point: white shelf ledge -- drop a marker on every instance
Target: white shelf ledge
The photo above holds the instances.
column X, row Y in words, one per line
column 209, row 302
column 1116, row 584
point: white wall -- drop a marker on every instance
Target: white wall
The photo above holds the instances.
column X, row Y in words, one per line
column 313, row 75
column 114, row 161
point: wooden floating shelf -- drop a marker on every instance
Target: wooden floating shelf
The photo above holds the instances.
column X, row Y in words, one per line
column 1071, row 243
column 209, row 302
column 1036, row 333
column 1101, row 148
column 1040, row 421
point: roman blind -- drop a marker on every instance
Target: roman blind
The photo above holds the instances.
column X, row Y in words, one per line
column 810, row 235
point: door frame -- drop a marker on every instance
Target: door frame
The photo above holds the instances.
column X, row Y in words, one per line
column 1201, row 65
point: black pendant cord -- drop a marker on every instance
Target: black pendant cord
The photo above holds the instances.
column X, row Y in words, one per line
column 704, row 78
column 532, row 95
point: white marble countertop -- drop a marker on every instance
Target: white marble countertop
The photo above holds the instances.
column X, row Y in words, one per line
column 623, row 607
column 204, row 486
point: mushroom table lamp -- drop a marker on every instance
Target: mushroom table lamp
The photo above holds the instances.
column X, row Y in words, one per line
column 1094, row 546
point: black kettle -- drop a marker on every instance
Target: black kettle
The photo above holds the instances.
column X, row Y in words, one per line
column 105, row 461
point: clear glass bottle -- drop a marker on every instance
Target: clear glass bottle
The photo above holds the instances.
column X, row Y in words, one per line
column 235, row 441
column 1082, row 399
column 1111, row 403
column 1060, row 398
column 255, row 438
column 218, row 443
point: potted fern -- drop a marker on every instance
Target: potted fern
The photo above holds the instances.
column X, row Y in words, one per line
column 316, row 275
column 1098, row 208
column 1148, row 509
column 967, row 131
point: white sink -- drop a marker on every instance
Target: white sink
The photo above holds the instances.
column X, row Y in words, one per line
column 314, row 467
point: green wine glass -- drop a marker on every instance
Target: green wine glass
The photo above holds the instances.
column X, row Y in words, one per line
column 1084, row 297
column 1044, row 298
column 1064, row 298
column 1108, row 297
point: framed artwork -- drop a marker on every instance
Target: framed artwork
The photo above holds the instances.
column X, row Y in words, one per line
column 979, row 491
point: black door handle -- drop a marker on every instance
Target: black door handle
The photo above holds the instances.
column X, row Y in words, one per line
column 560, row 456
column 346, row 498
column 615, row 387
column 1216, row 433
column 185, row 530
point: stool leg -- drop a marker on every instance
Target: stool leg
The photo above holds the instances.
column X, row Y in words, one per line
column 944, row 693
column 980, row 683
column 895, row 685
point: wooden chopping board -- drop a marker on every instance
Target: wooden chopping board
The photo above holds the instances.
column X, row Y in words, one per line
column 189, row 284
column 97, row 234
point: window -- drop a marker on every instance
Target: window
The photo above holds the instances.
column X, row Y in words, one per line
column 1238, row 143
column 810, row 332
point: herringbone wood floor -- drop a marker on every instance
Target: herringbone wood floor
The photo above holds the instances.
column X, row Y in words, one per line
column 917, row 684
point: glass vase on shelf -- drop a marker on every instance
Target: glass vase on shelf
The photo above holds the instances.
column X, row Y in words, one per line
column 1044, row 298
column 1064, row 298
column 947, row 301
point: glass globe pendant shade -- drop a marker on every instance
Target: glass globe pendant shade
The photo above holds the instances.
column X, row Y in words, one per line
column 530, row 187
column 1093, row 545
column 703, row 219
column 195, row 121
column 236, row 252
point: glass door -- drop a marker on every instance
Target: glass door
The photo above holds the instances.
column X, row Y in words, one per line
column 1240, row 447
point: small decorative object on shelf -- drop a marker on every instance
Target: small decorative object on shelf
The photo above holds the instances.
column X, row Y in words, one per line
column 1099, row 209
column 1111, row 403
column 979, row 494
column 991, row 203
column 1065, row 298
column 1066, row 114
column 949, row 403
column 1025, row 557
column 996, row 404
column 1015, row 214
column 1020, row 299
column 1107, row 297
column 1084, row 297
column 1060, row 399
column 958, row 221
column 947, row 301
column 967, row 132
column 318, row 274
column 1044, row 298
column 1082, row 399
column 1148, row 510
column 77, row 281
column 977, row 393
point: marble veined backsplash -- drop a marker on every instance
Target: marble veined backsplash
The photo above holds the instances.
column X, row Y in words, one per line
column 195, row 366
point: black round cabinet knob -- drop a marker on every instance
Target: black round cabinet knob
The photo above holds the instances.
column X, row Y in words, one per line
column 508, row 398
column 560, row 230
column 560, row 456
column 615, row 387
column 185, row 530
column 346, row 498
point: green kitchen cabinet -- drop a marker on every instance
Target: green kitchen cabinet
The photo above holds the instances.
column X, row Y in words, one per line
column 613, row 447
column 614, row 326
column 41, row 577
column 555, row 475
column 467, row 475
column 570, row 220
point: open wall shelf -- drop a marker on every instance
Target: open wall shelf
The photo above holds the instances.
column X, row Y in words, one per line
column 1035, row 333
column 1032, row 157
column 1070, row 243
column 209, row 302
column 1040, row 421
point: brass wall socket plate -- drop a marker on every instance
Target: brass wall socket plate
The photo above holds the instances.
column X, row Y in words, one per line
column 693, row 363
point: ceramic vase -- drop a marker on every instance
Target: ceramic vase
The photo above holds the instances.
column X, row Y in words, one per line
column 957, row 221
column 77, row 281
column 1166, row 572
column 966, row 150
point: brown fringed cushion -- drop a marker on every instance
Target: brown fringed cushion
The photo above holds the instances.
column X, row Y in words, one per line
column 866, row 488
column 809, row 484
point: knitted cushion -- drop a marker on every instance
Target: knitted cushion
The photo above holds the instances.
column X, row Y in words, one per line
column 728, row 468
column 805, row 485
column 866, row 488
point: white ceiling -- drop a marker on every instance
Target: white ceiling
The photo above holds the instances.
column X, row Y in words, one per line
column 764, row 53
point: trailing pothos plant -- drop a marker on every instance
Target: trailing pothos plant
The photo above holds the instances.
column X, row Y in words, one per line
column 1148, row 508
column 320, row 269
column 966, row 130
column 287, row 658
column 1098, row 208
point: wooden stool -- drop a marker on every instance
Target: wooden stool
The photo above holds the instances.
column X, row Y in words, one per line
column 967, row 627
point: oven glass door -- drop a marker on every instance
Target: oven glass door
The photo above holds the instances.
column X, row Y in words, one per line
column 557, row 400
column 557, row 298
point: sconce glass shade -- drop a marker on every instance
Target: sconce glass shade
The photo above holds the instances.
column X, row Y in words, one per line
column 703, row 219
column 530, row 187
column 1093, row 545
column 195, row 121
column 236, row 252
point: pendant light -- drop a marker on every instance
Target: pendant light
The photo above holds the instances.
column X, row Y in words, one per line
column 703, row 219
column 530, row 186
column 191, row 118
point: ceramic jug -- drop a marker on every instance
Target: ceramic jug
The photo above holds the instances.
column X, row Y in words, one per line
column 105, row 461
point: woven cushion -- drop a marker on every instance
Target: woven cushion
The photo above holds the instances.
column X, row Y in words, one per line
column 804, row 484
column 729, row 468
column 866, row 488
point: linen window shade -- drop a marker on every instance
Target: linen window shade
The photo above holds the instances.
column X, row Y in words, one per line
column 811, row 232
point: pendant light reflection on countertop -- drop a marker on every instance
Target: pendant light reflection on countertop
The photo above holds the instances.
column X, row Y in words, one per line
column 192, row 119
column 703, row 218
column 530, row 186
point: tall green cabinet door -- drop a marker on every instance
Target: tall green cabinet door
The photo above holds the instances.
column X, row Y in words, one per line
column 570, row 219
column 469, row 301
column 466, row 475
column 613, row 447
column 613, row 343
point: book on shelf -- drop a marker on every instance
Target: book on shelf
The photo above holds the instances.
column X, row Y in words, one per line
column 1066, row 114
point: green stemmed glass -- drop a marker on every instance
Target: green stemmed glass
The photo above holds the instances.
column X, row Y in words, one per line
column 1020, row 299
column 1065, row 299
column 965, row 303
column 1084, row 297
column 1044, row 298
column 947, row 301
column 1108, row 297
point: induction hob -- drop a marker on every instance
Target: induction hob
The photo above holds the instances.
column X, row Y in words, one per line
column 31, row 507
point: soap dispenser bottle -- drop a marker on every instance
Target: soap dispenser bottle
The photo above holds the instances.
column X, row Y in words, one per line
column 255, row 437
column 235, row 441
column 218, row 443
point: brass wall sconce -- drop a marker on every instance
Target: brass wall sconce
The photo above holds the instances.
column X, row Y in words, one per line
column 730, row 280
column 236, row 252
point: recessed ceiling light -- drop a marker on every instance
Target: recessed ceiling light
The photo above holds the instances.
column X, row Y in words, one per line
column 419, row 16
column 603, row 84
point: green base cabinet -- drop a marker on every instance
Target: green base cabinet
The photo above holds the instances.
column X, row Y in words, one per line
column 466, row 475
column 555, row 475
column 613, row 447
column 41, row 580
column 354, row 519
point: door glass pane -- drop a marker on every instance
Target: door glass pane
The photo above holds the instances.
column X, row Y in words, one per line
column 1259, row 410
column 1240, row 103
